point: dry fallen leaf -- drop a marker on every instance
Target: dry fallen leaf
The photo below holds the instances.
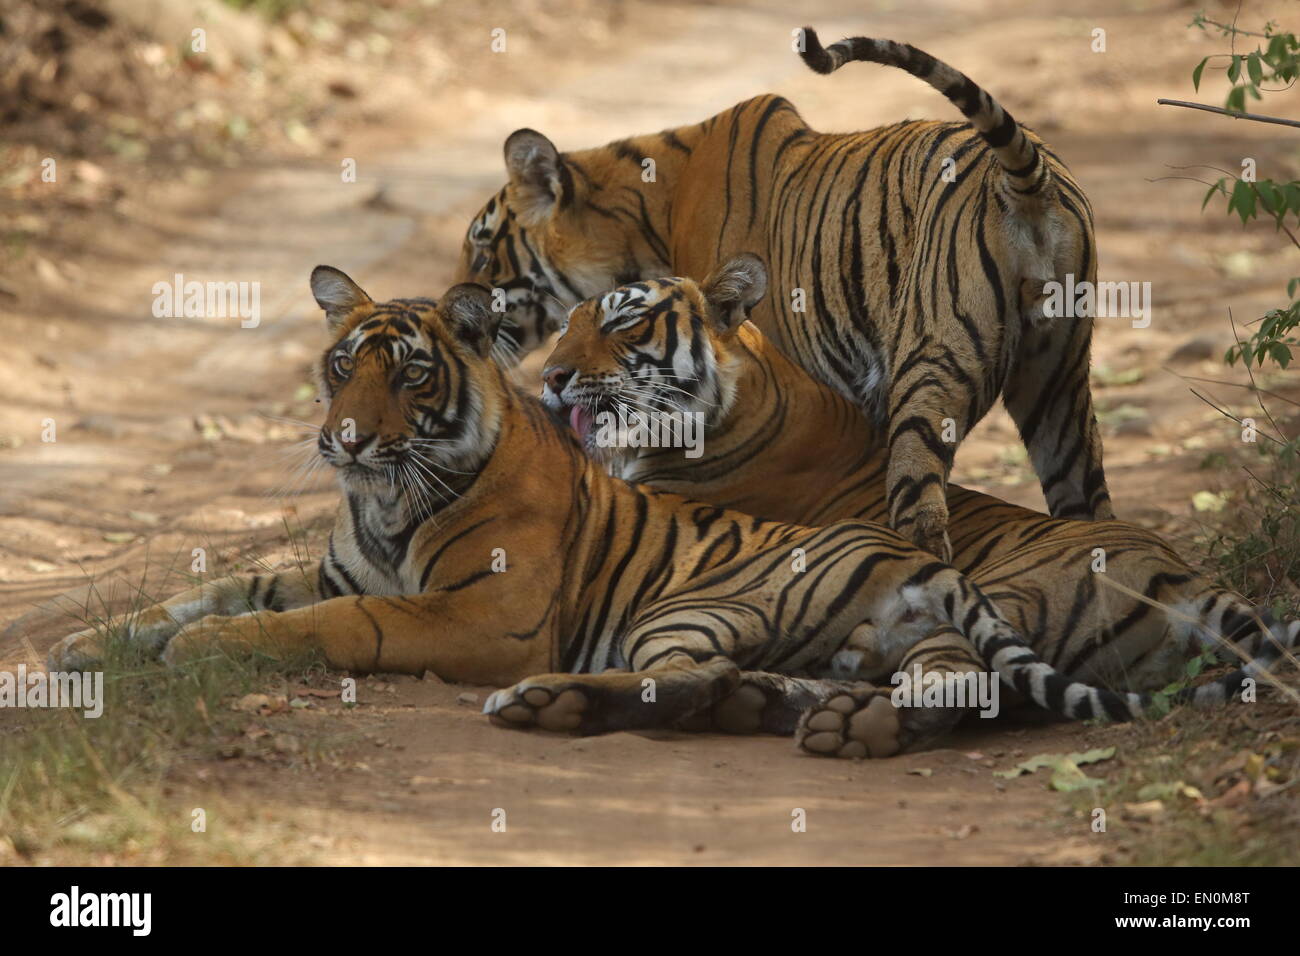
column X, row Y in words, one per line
column 1235, row 795
column 261, row 704
column 1146, row 812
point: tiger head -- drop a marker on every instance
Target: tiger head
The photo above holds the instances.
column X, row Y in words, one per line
column 413, row 397
column 555, row 234
column 659, row 348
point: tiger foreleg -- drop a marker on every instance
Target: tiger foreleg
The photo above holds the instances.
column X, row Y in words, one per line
column 155, row 625
column 457, row 639
column 622, row 700
column 922, row 442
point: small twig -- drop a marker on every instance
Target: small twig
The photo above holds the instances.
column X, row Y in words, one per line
column 1190, row 179
column 1256, row 117
column 1290, row 235
column 1218, row 381
column 1268, row 488
column 1226, row 172
column 1227, row 414
column 1233, row 29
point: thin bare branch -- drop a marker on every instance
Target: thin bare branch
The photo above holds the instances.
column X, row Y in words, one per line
column 1255, row 117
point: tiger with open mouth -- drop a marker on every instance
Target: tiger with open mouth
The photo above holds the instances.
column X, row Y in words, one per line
column 778, row 443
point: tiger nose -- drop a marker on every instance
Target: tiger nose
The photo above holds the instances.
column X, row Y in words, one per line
column 557, row 376
column 355, row 445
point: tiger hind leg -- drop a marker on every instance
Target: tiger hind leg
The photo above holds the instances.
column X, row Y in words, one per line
column 1047, row 394
column 765, row 703
column 862, row 720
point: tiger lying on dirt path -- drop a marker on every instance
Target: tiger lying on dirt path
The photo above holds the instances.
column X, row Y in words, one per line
column 773, row 441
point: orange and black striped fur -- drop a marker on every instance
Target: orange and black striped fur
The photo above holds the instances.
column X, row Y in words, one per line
column 477, row 540
column 778, row 443
column 908, row 263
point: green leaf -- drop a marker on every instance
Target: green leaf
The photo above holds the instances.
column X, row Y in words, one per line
column 1058, row 762
column 1292, row 192
column 1234, row 68
column 1270, row 196
column 1196, row 74
column 1242, row 201
column 1067, row 778
column 1253, row 68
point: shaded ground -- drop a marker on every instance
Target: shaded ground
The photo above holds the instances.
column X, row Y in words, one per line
column 171, row 432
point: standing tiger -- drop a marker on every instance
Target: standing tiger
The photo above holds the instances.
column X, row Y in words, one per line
column 778, row 443
column 445, row 467
column 908, row 264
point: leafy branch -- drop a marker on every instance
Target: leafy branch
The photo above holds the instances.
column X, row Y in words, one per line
column 1275, row 61
column 1278, row 62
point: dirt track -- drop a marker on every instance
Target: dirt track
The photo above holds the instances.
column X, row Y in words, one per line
column 168, row 437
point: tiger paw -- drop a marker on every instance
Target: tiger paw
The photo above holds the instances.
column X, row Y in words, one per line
column 741, row 711
column 931, row 531
column 531, row 703
column 202, row 638
column 859, row 723
column 77, row 652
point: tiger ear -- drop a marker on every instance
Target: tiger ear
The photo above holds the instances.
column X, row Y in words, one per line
column 733, row 289
column 534, row 166
column 467, row 309
column 336, row 294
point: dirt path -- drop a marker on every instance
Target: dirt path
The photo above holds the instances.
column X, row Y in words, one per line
column 171, row 431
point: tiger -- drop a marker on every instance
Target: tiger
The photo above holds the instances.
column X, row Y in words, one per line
column 445, row 468
column 778, row 443
column 911, row 264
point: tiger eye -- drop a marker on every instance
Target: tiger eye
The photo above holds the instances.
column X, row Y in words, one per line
column 415, row 374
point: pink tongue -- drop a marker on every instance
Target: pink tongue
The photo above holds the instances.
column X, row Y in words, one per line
column 580, row 421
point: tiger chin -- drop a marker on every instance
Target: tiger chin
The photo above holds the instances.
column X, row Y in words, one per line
column 617, row 607
column 787, row 447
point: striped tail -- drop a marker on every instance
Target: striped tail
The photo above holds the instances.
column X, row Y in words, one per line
column 1027, row 173
column 1005, row 652
column 1254, row 632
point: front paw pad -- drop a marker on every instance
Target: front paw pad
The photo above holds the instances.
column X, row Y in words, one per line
column 859, row 723
column 527, row 705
